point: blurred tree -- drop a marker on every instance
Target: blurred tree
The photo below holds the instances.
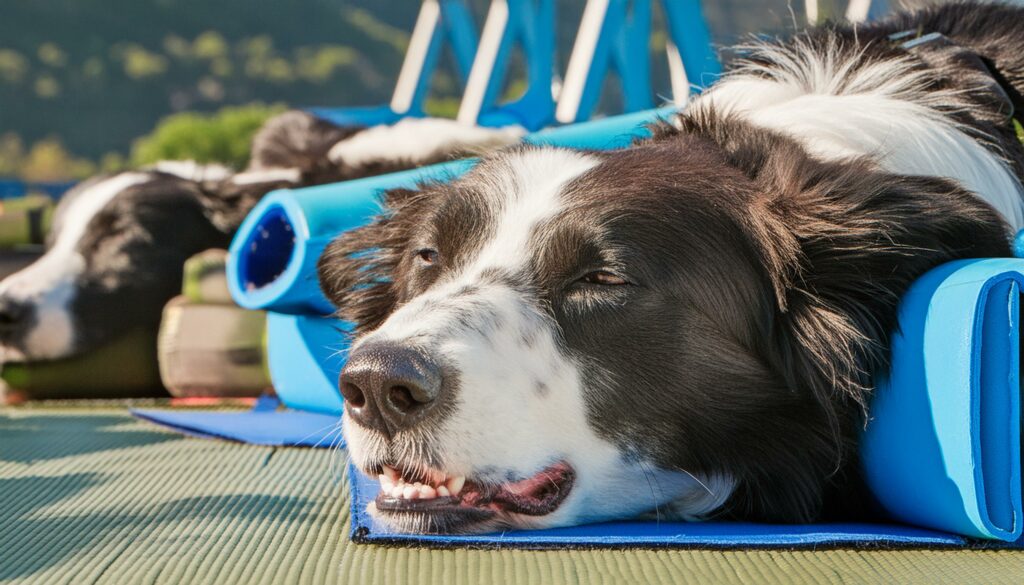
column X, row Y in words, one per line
column 48, row 160
column 210, row 45
column 177, row 47
column 222, row 137
column 52, row 55
column 139, row 62
column 47, row 86
column 13, row 66
column 12, row 154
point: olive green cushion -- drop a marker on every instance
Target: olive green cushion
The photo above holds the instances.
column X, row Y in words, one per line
column 93, row 496
column 205, row 278
column 125, row 367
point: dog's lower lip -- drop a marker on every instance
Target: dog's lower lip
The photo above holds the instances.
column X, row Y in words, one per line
column 537, row 495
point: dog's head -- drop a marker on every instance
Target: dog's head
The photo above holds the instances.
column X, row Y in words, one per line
column 114, row 256
column 687, row 327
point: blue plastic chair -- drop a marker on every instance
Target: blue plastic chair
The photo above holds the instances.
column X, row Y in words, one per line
column 440, row 22
column 615, row 35
column 530, row 25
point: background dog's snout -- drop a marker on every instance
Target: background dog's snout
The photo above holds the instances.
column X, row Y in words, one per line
column 389, row 387
column 14, row 314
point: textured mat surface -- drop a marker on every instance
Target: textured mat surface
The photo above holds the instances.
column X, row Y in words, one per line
column 93, row 496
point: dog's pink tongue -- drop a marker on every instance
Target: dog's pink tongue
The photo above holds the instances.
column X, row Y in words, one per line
column 536, row 494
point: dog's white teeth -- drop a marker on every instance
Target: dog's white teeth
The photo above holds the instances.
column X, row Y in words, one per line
column 395, row 486
column 455, row 484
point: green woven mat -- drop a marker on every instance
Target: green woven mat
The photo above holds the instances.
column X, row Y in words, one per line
column 92, row 496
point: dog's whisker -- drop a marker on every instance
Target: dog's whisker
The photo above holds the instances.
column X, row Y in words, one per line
column 702, row 484
column 654, row 499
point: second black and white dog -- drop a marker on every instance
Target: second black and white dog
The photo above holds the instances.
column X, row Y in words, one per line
column 692, row 325
column 117, row 244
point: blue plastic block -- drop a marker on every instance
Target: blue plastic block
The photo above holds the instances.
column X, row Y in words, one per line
column 943, row 447
column 305, row 355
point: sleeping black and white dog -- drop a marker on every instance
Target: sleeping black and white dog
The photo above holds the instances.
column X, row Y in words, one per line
column 117, row 244
column 690, row 326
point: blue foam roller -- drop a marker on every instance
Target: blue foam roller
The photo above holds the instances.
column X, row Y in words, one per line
column 942, row 449
column 272, row 260
column 305, row 354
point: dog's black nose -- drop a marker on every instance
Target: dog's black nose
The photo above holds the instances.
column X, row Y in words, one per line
column 389, row 387
column 14, row 314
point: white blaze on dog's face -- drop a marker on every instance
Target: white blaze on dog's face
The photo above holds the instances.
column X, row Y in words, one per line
column 113, row 258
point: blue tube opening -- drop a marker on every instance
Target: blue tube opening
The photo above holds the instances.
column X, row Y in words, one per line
column 268, row 251
column 997, row 377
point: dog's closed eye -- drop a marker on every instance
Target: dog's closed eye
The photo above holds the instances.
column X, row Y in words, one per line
column 603, row 278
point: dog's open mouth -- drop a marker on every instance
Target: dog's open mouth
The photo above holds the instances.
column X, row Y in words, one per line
column 439, row 503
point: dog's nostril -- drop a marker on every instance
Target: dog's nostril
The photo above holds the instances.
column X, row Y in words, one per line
column 403, row 399
column 353, row 395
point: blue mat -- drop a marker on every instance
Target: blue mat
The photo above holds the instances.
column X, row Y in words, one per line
column 652, row 534
column 266, row 424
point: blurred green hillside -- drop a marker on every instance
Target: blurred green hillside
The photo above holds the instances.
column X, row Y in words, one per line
column 82, row 80
column 94, row 75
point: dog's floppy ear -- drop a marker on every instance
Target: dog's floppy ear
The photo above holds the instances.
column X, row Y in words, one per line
column 842, row 243
column 357, row 269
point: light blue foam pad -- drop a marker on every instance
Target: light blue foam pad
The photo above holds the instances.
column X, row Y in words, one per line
column 650, row 533
column 265, row 424
column 942, row 449
column 305, row 355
